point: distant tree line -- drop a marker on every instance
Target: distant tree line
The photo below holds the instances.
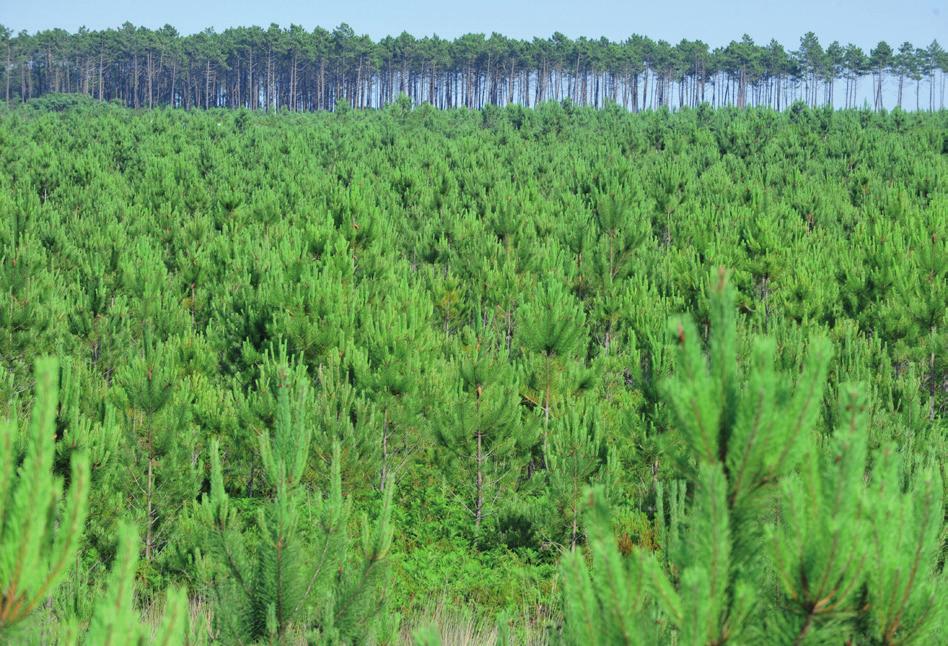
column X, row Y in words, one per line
column 295, row 69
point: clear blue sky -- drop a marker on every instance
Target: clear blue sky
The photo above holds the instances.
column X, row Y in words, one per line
column 863, row 22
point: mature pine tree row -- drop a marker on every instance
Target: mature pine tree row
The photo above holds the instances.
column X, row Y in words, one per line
column 319, row 370
column 297, row 70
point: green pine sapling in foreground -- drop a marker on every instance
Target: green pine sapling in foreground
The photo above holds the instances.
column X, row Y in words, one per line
column 387, row 365
column 297, row 575
column 38, row 540
column 782, row 540
column 116, row 621
column 905, row 580
column 608, row 257
column 576, row 458
column 551, row 330
column 481, row 427
column 161, row 468
column 98, row 435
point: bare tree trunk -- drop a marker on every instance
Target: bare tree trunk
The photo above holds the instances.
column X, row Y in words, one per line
column 547, row 394
column 931, row 92
column 85, row 73
column 174, row 74
column 135, row 81
column 236, row 100
column 150, row 72
column 941, row 100
column 479, row 510
column 9, row 68
column 293, row 75
column 322, row 82
column 149, row 498
column 479, row 505
column 358, row 83
column 269, row 79
column 250, row 88
column 879, row 105
column 150, row 518
column 573, row 93
column 932, row 387
column 645, row 89
column 101, row 75
column 383, row 475
column 49, row 72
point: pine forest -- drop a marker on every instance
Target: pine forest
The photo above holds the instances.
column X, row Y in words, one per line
column 514, row 355
column 297, row 70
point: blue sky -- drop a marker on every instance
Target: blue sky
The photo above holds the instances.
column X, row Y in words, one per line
column 863, row 22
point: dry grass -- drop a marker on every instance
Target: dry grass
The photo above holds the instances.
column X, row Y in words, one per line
column 200, row 625
column 458, row 626
column 455, row 625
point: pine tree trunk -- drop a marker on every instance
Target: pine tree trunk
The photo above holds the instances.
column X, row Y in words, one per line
column 480, row 479
column 172, row 84
column 322, row 83
column 546, row 406
column 150, row 67
column 383, row 475
column 253, row 97
column 6, row 76
column 479, row 504
column 269, row 78
column 932, row 386
column 150, row 518
column 135, row 81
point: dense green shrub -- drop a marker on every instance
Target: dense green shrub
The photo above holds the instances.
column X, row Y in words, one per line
column 468, row 309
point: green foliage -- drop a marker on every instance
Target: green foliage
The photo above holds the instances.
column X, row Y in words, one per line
column 575, row 460
column 38, row 539
column 905, row 590
column 295, row 572
column 115, row 620
column 552, row 324
column 457, row 319
column 161, row 472
column 340, row 70
column 826, row 567
column 482, row 427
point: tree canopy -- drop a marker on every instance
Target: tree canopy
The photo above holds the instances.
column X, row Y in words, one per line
column 294, row 69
